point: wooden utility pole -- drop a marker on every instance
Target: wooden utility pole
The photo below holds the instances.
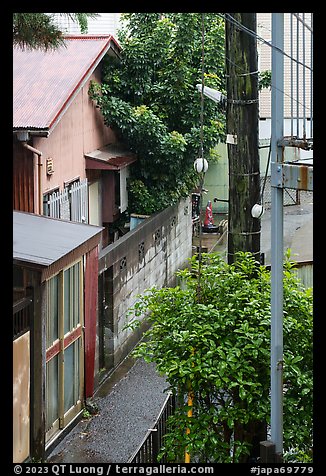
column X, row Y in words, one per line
column 243, row 133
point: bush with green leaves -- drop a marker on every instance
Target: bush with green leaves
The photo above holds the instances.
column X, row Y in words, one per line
column 210, row 336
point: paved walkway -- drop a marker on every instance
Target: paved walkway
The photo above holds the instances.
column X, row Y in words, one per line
column 126, row 412
column 297, row 232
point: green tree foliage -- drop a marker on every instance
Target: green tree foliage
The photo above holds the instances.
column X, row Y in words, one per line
column 150, row 99
column 213, row 341
column 265, row 79
column 40, row 30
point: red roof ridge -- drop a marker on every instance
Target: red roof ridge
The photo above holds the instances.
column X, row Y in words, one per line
column 91, row 36
column 86, row 35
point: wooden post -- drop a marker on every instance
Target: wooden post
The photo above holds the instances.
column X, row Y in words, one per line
column 242, row 130
column 38, row 367
column 268, row 453
column 155, row 445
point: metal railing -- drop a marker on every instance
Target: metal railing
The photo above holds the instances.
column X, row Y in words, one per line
column 22, row 312
column 70, row 203
column 149, row 448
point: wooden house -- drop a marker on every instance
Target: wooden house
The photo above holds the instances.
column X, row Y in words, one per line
column 67, row 169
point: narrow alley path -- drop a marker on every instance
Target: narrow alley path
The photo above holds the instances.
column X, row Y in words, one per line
column 126, row 412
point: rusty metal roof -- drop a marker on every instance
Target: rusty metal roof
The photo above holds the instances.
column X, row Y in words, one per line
column 44, row 83
column 110, row 157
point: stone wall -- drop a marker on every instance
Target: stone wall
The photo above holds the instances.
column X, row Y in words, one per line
column 147, row 256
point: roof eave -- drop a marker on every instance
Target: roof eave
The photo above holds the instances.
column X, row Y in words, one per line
column 32, row 131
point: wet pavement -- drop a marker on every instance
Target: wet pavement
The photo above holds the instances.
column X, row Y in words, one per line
column 130, row 400
column 297, row 233
column 127, row 409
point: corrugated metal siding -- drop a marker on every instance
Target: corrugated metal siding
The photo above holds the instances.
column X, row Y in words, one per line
column 264, row 29
column 44, row 82
column 305, row 271
column 21, row 400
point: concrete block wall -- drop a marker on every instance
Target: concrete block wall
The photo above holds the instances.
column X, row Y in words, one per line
column 147, row 256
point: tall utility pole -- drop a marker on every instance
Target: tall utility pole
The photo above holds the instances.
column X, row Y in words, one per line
column 243, row 133
column 277, row 235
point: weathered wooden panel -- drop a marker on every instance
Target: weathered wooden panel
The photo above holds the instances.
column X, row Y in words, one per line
column 109, row 209
column 23, row 179
column 21, row 401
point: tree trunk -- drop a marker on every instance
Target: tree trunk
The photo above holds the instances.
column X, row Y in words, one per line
column 242, row 125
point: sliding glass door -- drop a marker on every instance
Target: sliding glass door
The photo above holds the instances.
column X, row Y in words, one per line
column 64, row 355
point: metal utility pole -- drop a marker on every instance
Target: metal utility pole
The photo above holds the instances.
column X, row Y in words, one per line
column 242, row 133
column 277, row 234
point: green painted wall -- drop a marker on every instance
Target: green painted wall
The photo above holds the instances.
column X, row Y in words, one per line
column 217, row 177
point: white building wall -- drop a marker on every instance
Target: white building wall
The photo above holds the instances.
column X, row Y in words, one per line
column 105, row 23
column 264, row 29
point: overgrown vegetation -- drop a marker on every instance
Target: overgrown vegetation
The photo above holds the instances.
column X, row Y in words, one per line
column 150, row 99
column 213, row 342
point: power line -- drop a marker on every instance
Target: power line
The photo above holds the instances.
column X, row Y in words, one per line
column 302, row 21
column 272, row 85
column 240, row 67
column 258, row 37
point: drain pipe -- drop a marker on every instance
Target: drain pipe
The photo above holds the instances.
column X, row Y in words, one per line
column 39, row 174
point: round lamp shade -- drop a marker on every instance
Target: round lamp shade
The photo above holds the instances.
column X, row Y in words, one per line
column 201, row 165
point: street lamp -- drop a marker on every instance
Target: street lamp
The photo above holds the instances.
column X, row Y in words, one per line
column 201, row 165
column 211, row 93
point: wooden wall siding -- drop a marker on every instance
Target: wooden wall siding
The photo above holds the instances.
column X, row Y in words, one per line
column 91, row 291
column 109, row 209
column 23, row 179
column 21, row 403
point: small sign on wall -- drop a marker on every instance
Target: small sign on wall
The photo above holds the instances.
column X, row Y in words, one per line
column 49, row 166
column 231, row 139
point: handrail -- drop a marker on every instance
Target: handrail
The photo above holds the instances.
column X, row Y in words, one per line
column 154, row 435
column 21, row 304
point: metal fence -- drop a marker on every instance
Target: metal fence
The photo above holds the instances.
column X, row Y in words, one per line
column 149, row 448
column 290, row 196
column 71, row 203
column 79, row 201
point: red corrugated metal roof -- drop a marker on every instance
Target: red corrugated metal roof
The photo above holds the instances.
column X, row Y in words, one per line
column 45, row 82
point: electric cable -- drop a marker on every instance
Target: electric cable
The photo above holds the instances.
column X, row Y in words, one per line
column 258, row 37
